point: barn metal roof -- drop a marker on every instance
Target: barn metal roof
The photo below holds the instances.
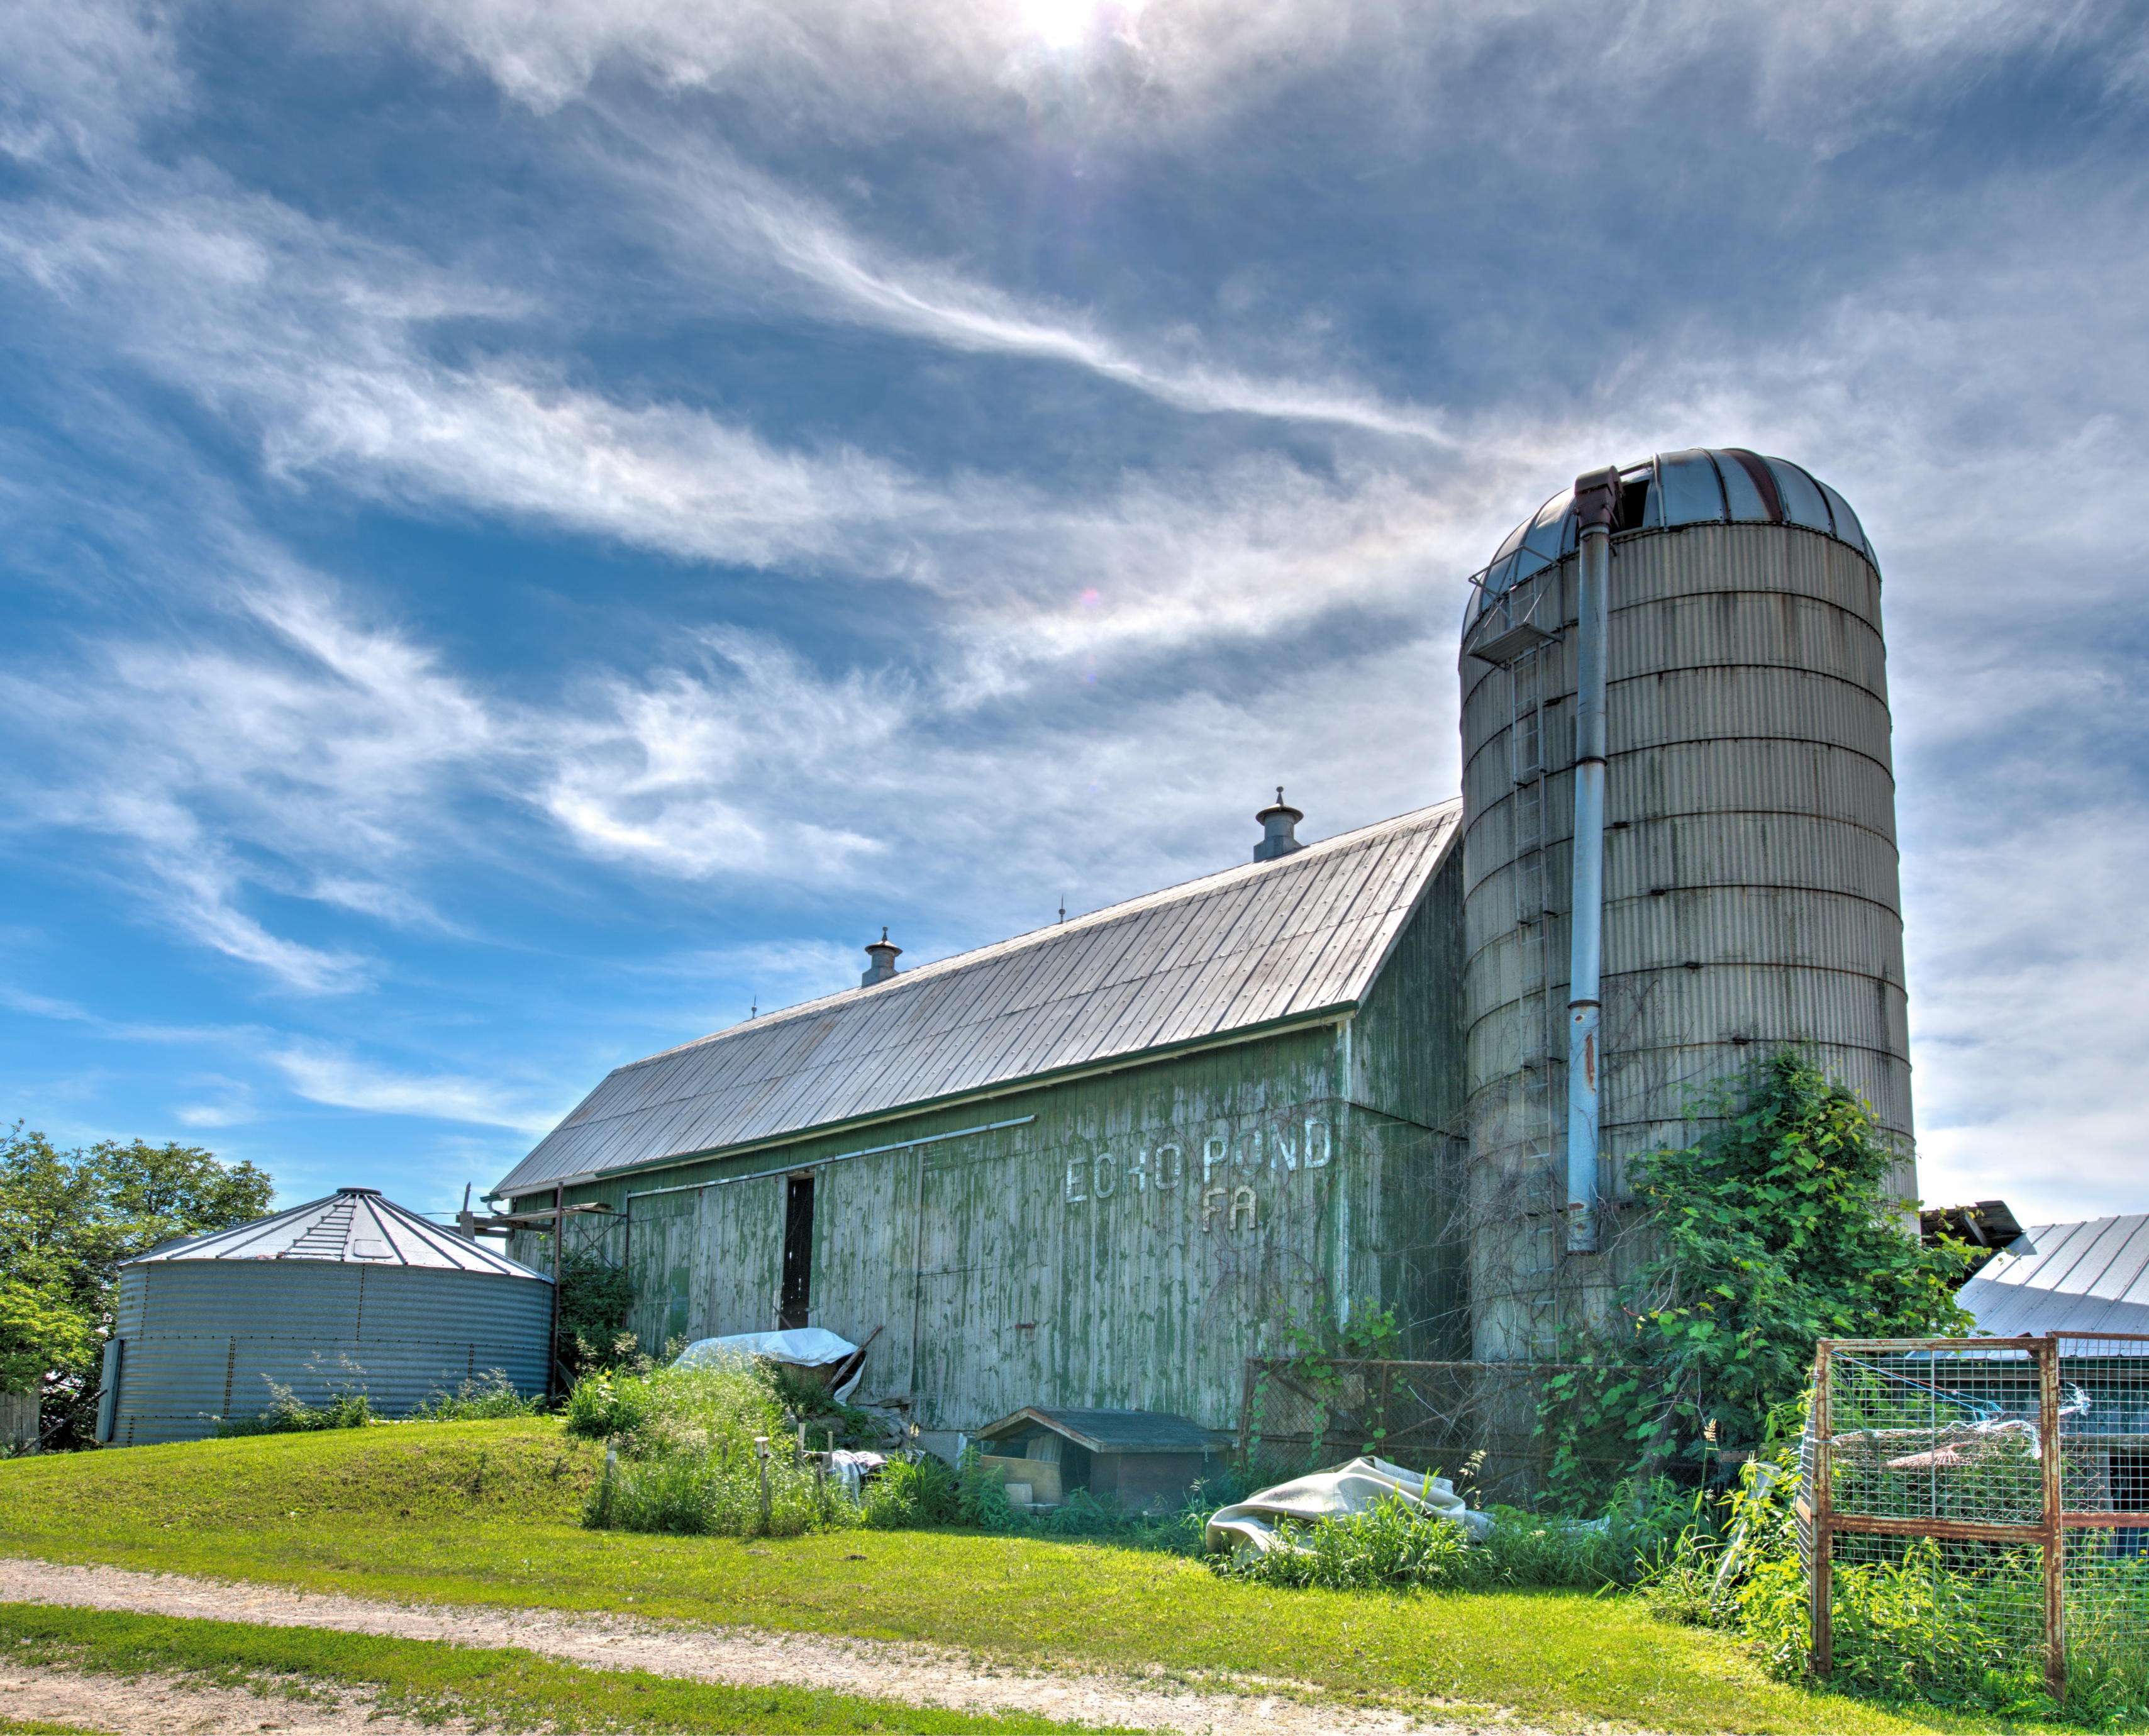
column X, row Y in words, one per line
column 1728, row 485
column 1248, row 947
column 354, row 1226
column 2081, row 1278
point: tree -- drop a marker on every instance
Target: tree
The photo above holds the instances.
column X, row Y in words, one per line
column 67, row 1220
column 1773, row 1233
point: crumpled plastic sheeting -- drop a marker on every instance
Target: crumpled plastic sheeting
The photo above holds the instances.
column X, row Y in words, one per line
column 808, row 1347
column 802, row 1346
column 1357, row 1487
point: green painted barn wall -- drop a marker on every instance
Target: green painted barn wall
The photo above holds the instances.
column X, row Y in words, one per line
column 1130, row 1244
column 1407, row 1060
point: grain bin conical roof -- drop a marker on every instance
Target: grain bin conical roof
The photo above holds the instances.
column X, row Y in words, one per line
column 353, row 1225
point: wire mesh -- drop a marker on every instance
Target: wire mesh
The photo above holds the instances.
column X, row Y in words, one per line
column 1927, row 1613
column 1976, row 1506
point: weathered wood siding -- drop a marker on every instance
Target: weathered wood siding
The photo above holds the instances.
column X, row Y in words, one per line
column 1130, row 1243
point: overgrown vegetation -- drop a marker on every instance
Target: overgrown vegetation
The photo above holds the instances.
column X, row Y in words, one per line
column 487, row 1398
column 67, row 1219
column 288, row 1414
column 1947, row 1624
column 1395, row 1546
column 595, row 1296
column 1774, row 1232
column 705, row 1450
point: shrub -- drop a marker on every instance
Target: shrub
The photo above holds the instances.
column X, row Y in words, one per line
column 1774, row 1232
column 484, row 1397
column 921, row 1492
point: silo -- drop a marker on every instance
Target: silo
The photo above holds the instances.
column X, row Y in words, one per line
column 1749, row 895
column 348, row 1291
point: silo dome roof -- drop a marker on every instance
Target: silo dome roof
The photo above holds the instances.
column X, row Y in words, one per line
column 353, row 1225
column 1701, row 486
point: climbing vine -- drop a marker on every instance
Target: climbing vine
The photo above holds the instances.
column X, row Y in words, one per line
column 1773, row 1232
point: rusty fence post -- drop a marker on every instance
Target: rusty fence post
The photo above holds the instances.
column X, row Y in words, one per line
column 2055, row 1537
column 1820, row 1504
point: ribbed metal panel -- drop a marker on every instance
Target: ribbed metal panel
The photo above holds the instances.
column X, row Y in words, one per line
column 1850, row 852
column 1242, row 948
column 201, row 1335
column 1751, row 881
column 2087, row 1277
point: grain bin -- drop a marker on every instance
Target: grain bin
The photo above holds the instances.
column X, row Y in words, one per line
column 1749, row 889
column 348, row 1291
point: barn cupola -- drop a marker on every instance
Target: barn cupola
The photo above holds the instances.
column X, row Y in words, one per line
column 883, row 952
column 1278, row 838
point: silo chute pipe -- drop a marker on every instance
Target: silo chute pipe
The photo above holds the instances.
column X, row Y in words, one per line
column 1596, row 504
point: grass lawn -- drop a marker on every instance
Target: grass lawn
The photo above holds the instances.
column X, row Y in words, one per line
column 431, row 1679
column 483, row 1513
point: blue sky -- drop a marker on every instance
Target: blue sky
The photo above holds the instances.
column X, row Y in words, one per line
column 529, row 527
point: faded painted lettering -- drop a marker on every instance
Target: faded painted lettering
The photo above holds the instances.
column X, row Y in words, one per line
column 1215, row 1152
column 1242, row 1200
column 1284, row 1147
column 1212, row 1201
column 1104, row 1175
column 1074, row 1181
column 1324, row 1146
column 1178, row 1168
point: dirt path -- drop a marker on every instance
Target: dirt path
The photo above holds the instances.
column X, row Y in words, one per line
column 158, row 1706
column 913, row 1674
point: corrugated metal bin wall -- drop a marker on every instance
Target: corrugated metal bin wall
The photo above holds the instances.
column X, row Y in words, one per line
column 1750, row 881
column 201, row 1335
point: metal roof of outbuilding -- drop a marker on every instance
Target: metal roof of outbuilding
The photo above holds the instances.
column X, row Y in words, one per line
column 354, row 1224
column 1726, row 485
column 1248, row 947
column 1110, row 1430
column 2083, row 1278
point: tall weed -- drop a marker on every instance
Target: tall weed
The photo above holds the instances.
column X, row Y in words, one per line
column 688, row 1453
column 487, row 1398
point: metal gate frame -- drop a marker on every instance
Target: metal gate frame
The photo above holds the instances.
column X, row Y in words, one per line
column 1816, row 1506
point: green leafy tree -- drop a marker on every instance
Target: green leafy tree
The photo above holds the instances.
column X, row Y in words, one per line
column 1773, row 1232
column 67, row 1219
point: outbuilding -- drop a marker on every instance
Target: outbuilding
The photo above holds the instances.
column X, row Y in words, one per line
column 1139, row 1460
column 350, row 1292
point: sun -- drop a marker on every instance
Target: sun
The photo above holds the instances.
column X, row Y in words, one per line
column 1060, row 23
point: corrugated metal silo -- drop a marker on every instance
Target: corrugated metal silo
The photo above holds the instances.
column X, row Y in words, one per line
column 351, row 1290
column 1750, row 892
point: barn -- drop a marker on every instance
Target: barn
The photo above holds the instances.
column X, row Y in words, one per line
column 1129, row 1162
column 1096, row 1167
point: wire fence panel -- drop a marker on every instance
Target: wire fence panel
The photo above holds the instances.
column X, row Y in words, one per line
column 1971, row 1505
column 1474, row 1422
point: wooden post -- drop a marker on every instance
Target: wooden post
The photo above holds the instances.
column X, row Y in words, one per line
column 1818, row 1500
column 761, row 1448
column 2056, row 1539
column 1246, row 1421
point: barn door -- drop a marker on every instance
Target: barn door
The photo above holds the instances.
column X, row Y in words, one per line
column 983, row 1343
column 660, row 1256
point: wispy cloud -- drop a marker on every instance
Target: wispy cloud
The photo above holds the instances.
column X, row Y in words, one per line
column 325, row 1075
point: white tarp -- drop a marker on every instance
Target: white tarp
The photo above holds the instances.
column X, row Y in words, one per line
column 803, row 1347
column 1357, row 1487
column 808, row 1347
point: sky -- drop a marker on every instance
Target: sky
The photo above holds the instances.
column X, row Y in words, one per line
column 529, row 529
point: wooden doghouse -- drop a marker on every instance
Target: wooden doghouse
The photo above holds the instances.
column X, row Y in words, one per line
column 1142, row 1460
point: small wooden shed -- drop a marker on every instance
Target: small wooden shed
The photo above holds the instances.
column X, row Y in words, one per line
column 1143, row 1460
